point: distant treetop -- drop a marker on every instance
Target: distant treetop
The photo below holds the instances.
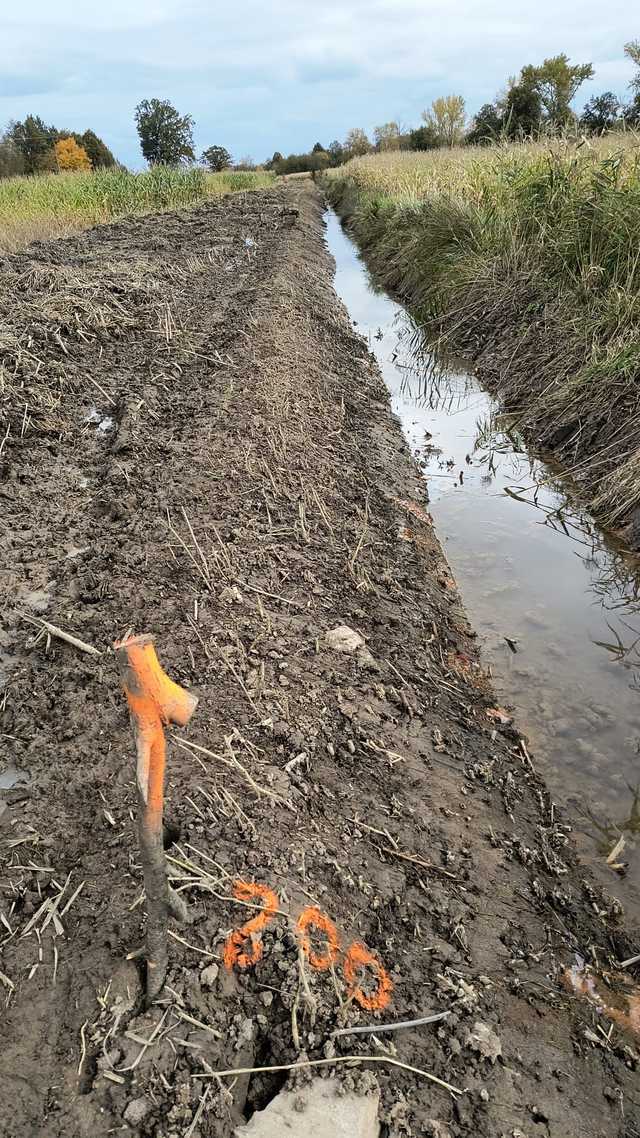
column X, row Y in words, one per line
column 166, row 137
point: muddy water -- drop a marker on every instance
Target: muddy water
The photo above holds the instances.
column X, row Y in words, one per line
column 557, row 610
column 11, row 777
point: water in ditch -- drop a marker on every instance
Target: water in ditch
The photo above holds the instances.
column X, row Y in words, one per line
column 557, row 609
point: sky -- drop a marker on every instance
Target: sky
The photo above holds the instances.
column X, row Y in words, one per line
column 265, row 75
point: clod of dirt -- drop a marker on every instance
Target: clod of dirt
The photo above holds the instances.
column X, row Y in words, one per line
column 435, row 1129
column 344, row 639
column 137, row 1111
column 209, row 975
column 485, row 1041
column 321, row 1109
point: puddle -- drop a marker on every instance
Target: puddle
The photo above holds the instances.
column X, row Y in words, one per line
column 557, row 610
column 10, row 778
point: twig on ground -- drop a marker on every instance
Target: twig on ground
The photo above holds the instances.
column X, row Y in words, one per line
column 332, row 1063
column 200, row 563
column 198, row 1114
column 146, row 1043
column 193, row 947
column 233, row 763
column 102, row 391
column 375, row 1028
column 59, row 633
column 83, row 1045
column 419, row 861
column 274, row 596
column 631, row 960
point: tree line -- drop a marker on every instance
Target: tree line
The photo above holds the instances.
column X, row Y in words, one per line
column 534, row 104
column 33, row 147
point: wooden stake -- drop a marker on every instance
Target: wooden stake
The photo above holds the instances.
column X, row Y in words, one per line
column 154, row 701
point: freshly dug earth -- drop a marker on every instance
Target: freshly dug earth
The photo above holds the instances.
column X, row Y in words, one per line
column 201, row 448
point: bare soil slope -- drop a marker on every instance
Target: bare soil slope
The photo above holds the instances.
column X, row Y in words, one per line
column 201, row 447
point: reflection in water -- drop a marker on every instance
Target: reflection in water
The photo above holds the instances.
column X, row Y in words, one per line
column 556, row 606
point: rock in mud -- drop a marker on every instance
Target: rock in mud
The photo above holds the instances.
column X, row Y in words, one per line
column 344, row 639
column 485, row 1041
column 209, row 975
column 137, row 1111
column 319, row 1110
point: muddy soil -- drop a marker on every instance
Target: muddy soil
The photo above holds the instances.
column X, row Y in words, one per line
column 201, row 447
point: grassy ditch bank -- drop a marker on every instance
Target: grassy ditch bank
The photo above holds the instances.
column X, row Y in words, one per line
column 525, row 259
column 53, row 205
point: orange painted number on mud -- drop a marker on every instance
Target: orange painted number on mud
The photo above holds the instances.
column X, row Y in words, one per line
column 358, row 961
column 368, row 981
column 312, row 918
column 243, row 948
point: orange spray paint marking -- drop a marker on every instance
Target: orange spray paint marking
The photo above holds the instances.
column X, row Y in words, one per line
column 357, row 958
column 154, row 700
column 234, row 953
column 312, row 917
column 583, row 982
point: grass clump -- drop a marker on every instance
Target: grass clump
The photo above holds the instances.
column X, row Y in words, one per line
column 526, row 258
column 53, row 205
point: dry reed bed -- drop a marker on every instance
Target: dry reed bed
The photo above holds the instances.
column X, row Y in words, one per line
column 525, row 258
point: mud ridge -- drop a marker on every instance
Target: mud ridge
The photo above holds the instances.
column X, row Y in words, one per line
column 233, row 403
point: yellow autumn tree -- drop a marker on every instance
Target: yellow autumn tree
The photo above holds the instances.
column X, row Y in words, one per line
column 70, row 156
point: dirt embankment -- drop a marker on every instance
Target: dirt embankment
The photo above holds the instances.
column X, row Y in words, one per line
column 207, row 453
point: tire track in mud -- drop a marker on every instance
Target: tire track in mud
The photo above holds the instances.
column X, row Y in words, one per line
column 250, row 497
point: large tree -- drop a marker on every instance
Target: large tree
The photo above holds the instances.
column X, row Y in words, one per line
column 70, row 156
column 166, row 136
column 387, row 136
column 98, row 151
column 447, row 117
column 357, row 143
column 486, row 126
column 632, row 50
column 600, row 113
column 423, row 138
column 35, row 141
column 216, row 158
column 556, row 81
column 520, row 108
column 11, row 159
column 336, row 153
column 632, row 112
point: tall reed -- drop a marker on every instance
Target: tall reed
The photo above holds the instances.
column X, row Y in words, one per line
column 526, row 257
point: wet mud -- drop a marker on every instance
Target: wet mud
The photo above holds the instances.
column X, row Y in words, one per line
column 252, row 494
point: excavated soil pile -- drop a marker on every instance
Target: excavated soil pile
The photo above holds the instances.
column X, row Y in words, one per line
column 198, row 445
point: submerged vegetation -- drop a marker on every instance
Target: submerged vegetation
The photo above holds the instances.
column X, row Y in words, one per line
column 524, row 256
column 36, row 208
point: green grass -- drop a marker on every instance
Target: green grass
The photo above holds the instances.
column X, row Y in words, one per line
column 36, row 208
column 527, row 258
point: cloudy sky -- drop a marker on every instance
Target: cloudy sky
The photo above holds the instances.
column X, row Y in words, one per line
column 261, row 75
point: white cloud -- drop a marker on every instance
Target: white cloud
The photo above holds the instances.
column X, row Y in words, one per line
column 259, row 76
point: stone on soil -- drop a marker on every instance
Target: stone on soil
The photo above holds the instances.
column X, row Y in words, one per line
column 485, row 1041
column 209, row 975
column 137, row 1111
column 317, row 1110
column 344, row 639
